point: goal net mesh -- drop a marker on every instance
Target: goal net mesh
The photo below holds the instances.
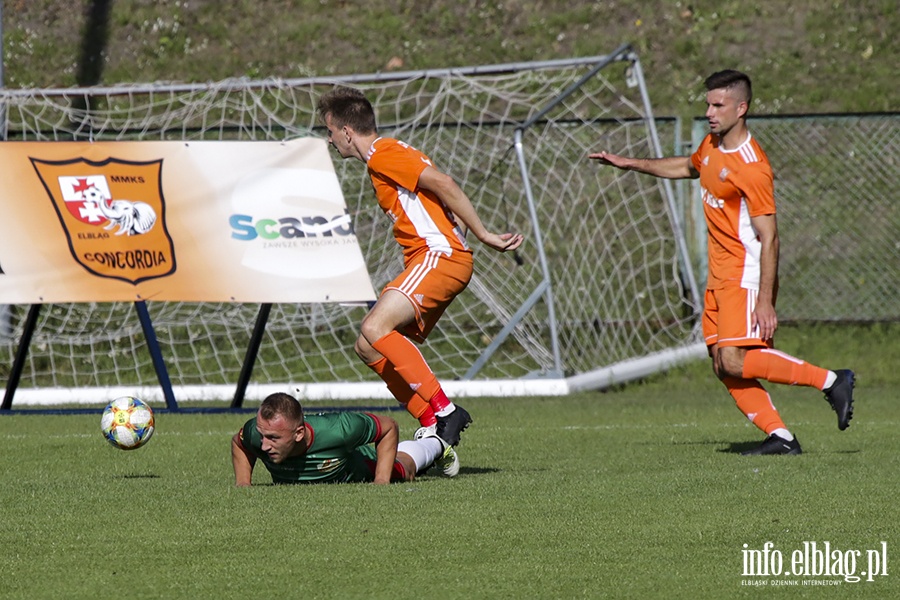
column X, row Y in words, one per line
column 607, row 235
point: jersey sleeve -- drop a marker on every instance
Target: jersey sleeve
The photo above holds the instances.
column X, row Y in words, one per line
column 400, row 164
column 358, row 429
column 697, row 157
column 758, row 188
column 250, row 438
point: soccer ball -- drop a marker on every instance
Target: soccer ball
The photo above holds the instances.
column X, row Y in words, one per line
column 127, row 423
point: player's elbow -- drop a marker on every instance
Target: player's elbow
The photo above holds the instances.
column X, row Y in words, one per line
column 443, row 181
column 389, row 427
column 443, row 185
column 768, row 240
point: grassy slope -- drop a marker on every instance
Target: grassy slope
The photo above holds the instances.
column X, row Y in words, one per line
column 804, row 55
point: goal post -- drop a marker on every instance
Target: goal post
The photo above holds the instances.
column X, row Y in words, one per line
column 601, row 280
column 635, row 78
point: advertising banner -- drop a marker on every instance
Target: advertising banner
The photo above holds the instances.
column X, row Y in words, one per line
column 179, row 221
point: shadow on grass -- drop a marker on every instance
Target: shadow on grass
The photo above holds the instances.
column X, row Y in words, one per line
column 739, row 447
column 730, row 447
column 436, row 474
column 477, row 470
column 140, row 476
column 696, row 443
column 428, row 476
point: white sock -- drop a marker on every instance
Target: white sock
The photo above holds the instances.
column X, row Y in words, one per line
column 830, row 379
column 784, row 434
column 423, row 452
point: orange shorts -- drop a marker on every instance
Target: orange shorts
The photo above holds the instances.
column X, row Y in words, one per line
column 727, row 315
column 430, row 282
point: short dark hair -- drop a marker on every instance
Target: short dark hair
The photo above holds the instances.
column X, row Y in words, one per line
column 282, row 404
column 732, row 80
column 348, row 106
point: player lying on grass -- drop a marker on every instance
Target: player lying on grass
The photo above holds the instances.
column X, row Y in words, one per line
column 332, row 448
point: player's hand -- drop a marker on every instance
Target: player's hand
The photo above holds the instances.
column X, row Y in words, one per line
column 608, row 158
column 766, row 319
column 503, row 242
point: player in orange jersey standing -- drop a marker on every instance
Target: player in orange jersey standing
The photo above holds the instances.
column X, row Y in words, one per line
column 739, row 318
column 424, row 205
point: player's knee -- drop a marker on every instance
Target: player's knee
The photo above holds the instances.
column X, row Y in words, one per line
column 363, row 350
column 717, row 369
column 404, row 467
column 730, row 364
column 369, row 330
column 720, row 365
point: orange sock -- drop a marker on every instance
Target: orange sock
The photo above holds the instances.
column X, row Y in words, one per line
column 414, row 404
column 778, row 367
column 409, row 364
column 753, row 400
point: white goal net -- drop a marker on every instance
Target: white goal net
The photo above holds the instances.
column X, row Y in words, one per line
column 600, row 280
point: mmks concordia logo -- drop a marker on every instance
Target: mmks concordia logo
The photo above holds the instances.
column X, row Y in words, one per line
column 113, row 214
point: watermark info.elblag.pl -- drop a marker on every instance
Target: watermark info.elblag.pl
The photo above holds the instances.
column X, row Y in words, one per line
column 812, row 563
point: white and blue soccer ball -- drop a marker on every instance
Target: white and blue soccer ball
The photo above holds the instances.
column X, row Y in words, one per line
column 127, row 423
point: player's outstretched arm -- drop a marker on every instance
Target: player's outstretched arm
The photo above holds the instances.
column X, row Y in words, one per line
column 386, row 449
column 242, row 462
column 672, row 167
column 456, row 200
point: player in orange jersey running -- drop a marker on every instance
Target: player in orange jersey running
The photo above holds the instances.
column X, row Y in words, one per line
column 739, row 318
column 424, row 205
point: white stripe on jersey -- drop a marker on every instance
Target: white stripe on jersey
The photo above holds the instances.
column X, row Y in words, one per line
column 372, row 149
column 748, row 152
column 425, row 226
column 752, row 248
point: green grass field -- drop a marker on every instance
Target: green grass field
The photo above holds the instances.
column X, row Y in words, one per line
column 638, row 492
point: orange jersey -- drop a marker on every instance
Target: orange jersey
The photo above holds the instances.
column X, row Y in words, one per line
column 736, row 185
column 421, row 221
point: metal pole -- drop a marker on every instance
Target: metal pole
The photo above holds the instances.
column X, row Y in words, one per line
column 2, row 81
column 259, row 329
column 545, row 288
column 156, row 354
column 21, row 355
column 621, row 53
column 6, row 327
column 684, row 256
column 539, row 243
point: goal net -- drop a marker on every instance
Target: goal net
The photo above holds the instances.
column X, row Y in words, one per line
column 600, row 281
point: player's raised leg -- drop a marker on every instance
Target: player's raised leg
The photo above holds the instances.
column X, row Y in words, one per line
column 411, row 365
column 778, row 367
column 404, row 394
column 380, row 339
column 411, row 306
